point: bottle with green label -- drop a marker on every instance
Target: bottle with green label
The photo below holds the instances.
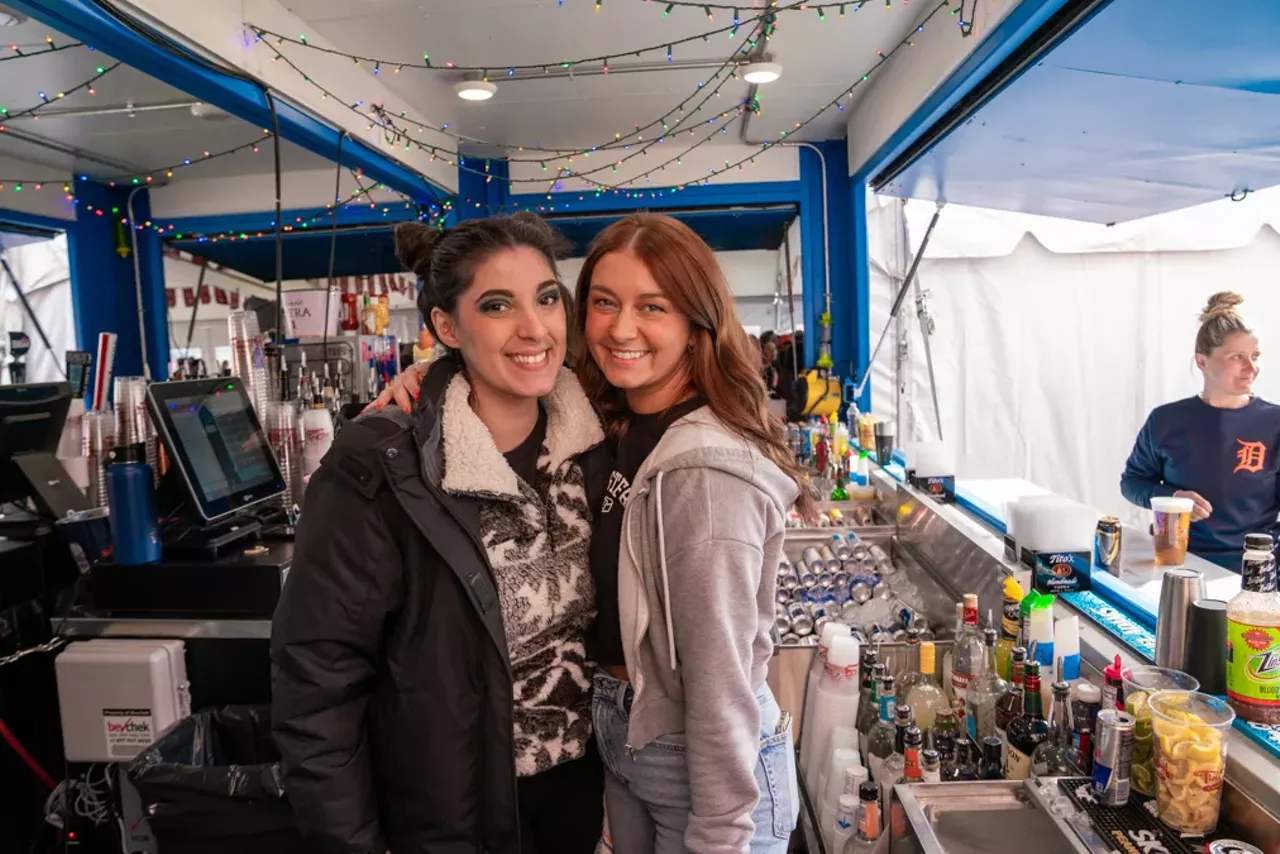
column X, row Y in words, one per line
column 1253, row 636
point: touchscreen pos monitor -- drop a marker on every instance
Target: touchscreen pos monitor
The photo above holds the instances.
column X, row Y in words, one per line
column 217, row 443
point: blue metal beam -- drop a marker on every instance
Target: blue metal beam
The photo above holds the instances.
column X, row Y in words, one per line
column 861, row 273
column 665, row 198
column 482, row 187
column 32, row 220
column 813, row 274
column 1016, row 27
column 90, row 23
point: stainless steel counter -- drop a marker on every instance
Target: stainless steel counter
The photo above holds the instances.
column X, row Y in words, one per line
column 79, row 628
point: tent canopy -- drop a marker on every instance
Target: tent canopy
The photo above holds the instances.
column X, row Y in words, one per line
column 1146, row 108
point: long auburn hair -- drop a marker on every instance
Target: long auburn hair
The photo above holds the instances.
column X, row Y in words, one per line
column 723, row 366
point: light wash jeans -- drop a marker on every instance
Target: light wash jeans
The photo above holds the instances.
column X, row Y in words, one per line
column 647, row 795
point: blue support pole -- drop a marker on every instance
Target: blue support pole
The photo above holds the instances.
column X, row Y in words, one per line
column 100, row 256
column 847, row 312
column 812, row 251
column 861, row 275
column 483, row 188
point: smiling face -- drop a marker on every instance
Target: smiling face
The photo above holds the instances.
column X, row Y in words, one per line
column 509, row 325
column 635, row 334
column 1233, row 366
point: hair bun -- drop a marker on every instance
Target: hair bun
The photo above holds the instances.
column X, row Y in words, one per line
column 415, row 241
column 1221, row 304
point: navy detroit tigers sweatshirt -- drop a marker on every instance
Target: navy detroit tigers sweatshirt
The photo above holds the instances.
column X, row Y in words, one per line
column 1229, row 456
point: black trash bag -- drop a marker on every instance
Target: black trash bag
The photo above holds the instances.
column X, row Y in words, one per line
column 211, row 781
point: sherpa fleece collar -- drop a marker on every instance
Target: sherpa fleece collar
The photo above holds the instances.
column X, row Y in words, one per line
column 472, row 462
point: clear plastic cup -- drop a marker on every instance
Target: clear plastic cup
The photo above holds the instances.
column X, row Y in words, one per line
column 1191, row 732
column 1171, row 529
column 1139, row 684
column 132, row 422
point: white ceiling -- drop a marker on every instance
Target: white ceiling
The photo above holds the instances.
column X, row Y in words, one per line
column 820, row 60
column 111, row 146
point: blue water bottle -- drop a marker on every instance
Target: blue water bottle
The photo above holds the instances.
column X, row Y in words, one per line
column 131, row 495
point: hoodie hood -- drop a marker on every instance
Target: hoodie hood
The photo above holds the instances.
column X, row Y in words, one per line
column 701, row 440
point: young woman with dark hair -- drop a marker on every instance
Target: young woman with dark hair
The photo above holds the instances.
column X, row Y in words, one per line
column 687, row 539
column 432, row 691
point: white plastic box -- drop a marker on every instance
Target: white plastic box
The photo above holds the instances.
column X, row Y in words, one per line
column 117, row 696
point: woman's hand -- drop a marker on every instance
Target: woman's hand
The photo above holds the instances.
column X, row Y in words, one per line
column 1201, row 510
column 404, row 390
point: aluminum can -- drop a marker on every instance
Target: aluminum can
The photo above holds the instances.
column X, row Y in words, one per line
column 810, row 557
column 1112, row 757
column 801, row 621
column 1232, row 846
column 790, row 640
column 861, row 592
column 1106, row 545
column 783, row 624
column 782, row 596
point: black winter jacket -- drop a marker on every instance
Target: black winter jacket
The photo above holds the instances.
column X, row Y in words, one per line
column 392, row 685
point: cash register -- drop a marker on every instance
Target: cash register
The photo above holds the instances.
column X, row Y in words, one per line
column 222, row 476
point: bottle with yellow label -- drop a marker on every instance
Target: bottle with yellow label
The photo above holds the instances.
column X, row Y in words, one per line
column 1253, row 636
column 1010, row 621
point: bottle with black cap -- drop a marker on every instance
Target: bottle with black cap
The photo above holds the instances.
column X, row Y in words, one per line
column 1253, row 636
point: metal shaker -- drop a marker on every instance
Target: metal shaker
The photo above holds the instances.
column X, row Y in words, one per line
column 1179, row 587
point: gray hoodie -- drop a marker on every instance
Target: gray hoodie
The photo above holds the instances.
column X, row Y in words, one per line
column 702, row 537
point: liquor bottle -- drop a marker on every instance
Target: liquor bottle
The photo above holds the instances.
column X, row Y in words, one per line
column 329, row 394
column 943, row 734
column 910, row 674
column 1009, row 706
column 895, row 765
column 1084, row 711
column 912, row 760
column 1028, row 730
column 968, row 651
column 864, row 841
column 949, row 659
column 930, row 766
column 881, row 740
column 1010, row 620
column 992, row 767
column 1052, row 758
column 963, row 762
column 985, row 689
column 839, row 492
column 868, row 702
column 925, row 697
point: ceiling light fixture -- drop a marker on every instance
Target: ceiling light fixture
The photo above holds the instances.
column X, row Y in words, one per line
column 10, row 18
column 475, row 88
column 761, row 72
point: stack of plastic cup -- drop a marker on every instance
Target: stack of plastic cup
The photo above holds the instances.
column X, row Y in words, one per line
column 284, row 434
column 99, row 438
column 248, row 359
column 133, row 427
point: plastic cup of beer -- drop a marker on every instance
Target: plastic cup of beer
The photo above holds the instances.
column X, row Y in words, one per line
column 1190, row 732
column 1172, row 528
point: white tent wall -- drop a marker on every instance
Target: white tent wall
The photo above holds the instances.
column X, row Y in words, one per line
column 1048, row 363
column 42, row 270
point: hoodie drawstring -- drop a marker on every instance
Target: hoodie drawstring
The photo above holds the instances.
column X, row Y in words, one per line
column 662, row 565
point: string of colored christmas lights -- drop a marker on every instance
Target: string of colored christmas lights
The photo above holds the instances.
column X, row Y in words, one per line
column 144, row 177
column 510, row 70
column 50, row 47
column 668, row 6
column 884, row 57
column 45, row 101
column 383, row 119
column 396, row 135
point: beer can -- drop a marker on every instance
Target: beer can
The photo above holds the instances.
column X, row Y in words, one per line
column 790, row 640
column 811, row 557
column 782, row 623
column 849, row 612
column 782, row 596
column 1112, row 757
column 808, row 579
column 860, row 591
column 1106, row 545
column 841, row 580
column 1232, row 846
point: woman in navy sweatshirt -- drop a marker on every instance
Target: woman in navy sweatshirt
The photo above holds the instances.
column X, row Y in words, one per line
column 1218, row 448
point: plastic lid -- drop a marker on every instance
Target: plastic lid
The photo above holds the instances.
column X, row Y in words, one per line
column 927, row 657
column 1114, row 670
column 842, row 651
column 1169, row 504
column 832, row 630
column 853, row 776
column 1087, row 692
column 848, row 803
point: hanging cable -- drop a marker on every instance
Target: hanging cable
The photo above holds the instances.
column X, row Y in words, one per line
column 26, row 757
column 275, row 129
